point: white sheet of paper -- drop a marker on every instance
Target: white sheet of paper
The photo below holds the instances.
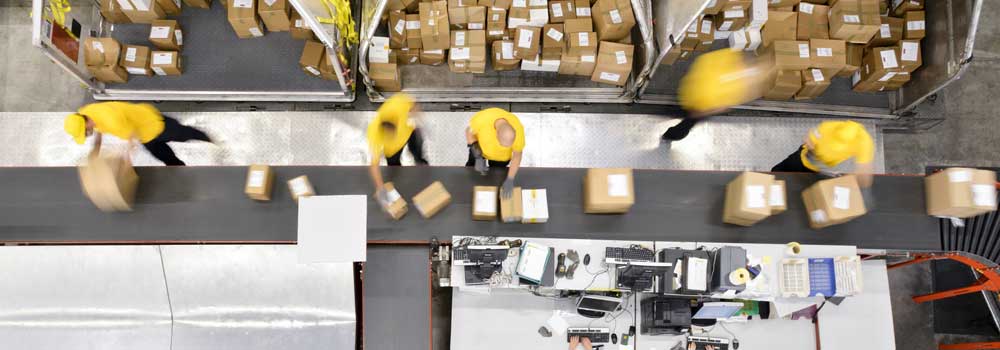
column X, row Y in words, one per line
column 130, row 54
column 557, row 10
column 583, row 12
column 459, row 38
column 777, row 197
column 134, row 70
column 959, row 176
column 805, row 8
column 755, row 196
column 617, row 185
column 620, row 57
column 460, row 53
column 583, row 38
column 332, row 229
column 243, row 3
column 524, row 39
column 616, row 17
column 984, row 195
column 824, row 52
column 159, row 32
column 910, row 51
column 818, row 216
column 884, row 31
column 804, row 50
column 852, row 19
column 256, row 179
column 915, row 25
column 507, row 48
column 817, row 75
column 159, row 71
column 163, row 58
column 554, row 34
column 612, row 77
column 180, row 36
column 590, row 59
column 841, row 197
column 888, row 59
column 486, row 202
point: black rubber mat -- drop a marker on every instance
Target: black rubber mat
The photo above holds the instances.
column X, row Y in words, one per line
column 963, row 314
column 397, row 298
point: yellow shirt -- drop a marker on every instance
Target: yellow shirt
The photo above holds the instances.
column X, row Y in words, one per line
column 837, row 141
column 395, row 111
column 124, row 119
column 482, row 125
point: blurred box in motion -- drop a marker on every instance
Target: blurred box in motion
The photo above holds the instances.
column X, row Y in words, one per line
column 260, row 180
column 747, row 200
column 110, row 182
column 300, row 187
column 833, row 201
column 961, row 192
column 395, row 205
column 431, row 200
column 777, row 198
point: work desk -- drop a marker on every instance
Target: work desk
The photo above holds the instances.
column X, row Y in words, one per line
column 207, row 204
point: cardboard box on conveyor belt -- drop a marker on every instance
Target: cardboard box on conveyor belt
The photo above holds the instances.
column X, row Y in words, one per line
column 833, row 201
column 432, row 200
column 780, row 26
column 747, row 199
column 782, row 84
column 915, row 25
column 496, row 24
column 503, row 56
column 300, row 187
column 136, row 60
column 260, row 181
column 553, row 41
column 395, row 205
column 468, row 51
column 855, row 21
column 608, row 191
column 961, row 192
column 614, row 63
column 813, row 22
column 484, row 203
column 165, row 62
column 166, row 34
column 142, row 11
column 386, row 76
column 299, row 29
column 814, row 83
column 527, row 42
column 890, row 32
column 112, row 12
column 110, row 182
column 510, row 209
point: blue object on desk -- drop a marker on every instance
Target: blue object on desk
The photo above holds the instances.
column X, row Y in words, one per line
column 822, row 278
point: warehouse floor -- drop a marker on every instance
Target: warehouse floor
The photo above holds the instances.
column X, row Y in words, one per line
column 30, row 83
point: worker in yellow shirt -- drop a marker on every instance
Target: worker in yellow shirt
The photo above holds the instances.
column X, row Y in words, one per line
column 388, row 133
column 830, row 144
column 496, row 139
column 133, row 122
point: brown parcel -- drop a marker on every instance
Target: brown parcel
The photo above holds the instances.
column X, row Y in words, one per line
column 165, row 34
column 170, row 7
column 777, row 198
column 577, row 25
column 526, row 42
column 101, row 56
column 608, row 191
column 242, row 16
column 484, row 203
column 503, row 56
column 327, row 72
column 746, row 200
column 136, row 60
column 276, row 16
column 496, row 24
column 434, row 26
column 397, row 29
column 915, row 25
column 889, row 33
column 510, row 209
column 432, row 57
column 673, row 55
column 413, row 40
column 813, row 22
column 581, row 9
column 855, row 53
column 578, row 65
column 468, row 51
column 560, row 11
column 401, row 5
column 396, row 207
column 614, row 63
column 960, row 192
column 855, row 21
column 830, row 55
column 880, row 65
column 553, row 41
column 385, row 76
column 582, row 44
column 900, row 7
column 155, row 12
column 112, row 12
column 613, row 19
column 312, row 57
column 299, row 29
column 199, row 3
column 300, row 187
column 814, row 83
column 730, row 20
column 472, row 17
column 110, row 182
column 833, row 201
column 431, row 200
column 788, row 54
column 260, row 180
column 714, row 7
column 165, row 62
column 909, row 55
column 779, row 26
column 784, row 84
column 407, row 56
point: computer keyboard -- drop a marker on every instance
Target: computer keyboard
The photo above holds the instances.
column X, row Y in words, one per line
column 596, row 335
column 618, row 255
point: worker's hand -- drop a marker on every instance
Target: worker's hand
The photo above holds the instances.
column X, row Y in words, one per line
column 507, row 190
column 477, row 154
column 586, row 344
column 864, row 174
column 574, row 342
column 382, row 196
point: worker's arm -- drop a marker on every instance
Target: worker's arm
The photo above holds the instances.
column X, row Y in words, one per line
column 507, row 190
column 376, row 173
column 470, row 138
column 96, row 149
column 863, row 160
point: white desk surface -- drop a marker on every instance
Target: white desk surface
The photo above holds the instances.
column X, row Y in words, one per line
column 505, row 319
column 863, row 321
column 593, row 277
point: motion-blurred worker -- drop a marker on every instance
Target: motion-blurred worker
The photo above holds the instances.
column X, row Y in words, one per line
column 715, row 82
column 496, row 139
column 830, row 144
column 133, row 122
column 388, row 133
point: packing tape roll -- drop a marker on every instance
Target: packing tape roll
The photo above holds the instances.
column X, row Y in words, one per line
column 739, row 276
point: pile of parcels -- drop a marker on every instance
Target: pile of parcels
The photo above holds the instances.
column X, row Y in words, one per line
column 806, row 43
column 950, row 193
column 606, row 191
column 110, row 62
column 571, row 37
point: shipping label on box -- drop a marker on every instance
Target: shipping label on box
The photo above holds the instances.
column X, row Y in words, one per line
column 915, row 27
column 961, row 192
column 777, row 197
column 613, row 19
column 834, row 201
column 413, row 40
column 394, row 205
column 484, row 203
column 136, row 60
column 165, row 62
column 526, row 42
column 614, row 63
column 300, row 187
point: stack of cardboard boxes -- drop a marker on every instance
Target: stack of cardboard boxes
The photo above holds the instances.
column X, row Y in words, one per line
column 101, row 56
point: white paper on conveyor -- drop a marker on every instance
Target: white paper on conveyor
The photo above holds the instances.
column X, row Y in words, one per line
column 755, row 196
column 841, row 197
column 984, row 195
column 163, row 57
column 617, row 185
column 486, row 202
column 256, row 179
column 777, row 196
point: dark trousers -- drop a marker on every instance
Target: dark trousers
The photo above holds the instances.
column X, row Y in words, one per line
column 793, row 163
column 490, row 163
column 416, row 146
column 680, row 131
column 173, row 131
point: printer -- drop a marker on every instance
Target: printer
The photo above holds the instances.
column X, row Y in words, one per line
column 728, row 259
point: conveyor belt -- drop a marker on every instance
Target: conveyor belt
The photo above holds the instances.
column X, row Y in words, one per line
column 207, row 204
column 397, row 298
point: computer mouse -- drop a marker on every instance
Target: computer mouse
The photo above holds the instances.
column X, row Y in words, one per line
column 736, row 344
column 586, row 260
column 614, row 338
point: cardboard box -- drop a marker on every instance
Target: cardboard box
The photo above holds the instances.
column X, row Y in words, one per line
column 432, row 200
column 496, row 4
column 170, row 7
column 527, row 42
column 582, row 44
column 496, row 24
column 532, row 13
column 326, row 70
column 577, row 25
column 813, row 22
column 484, row 203
column 747, row 200
column 434, row 26
column 300, row 187
column 460, row 3
column 165, row 62
column 379, row 51
column 242, row 16
column 101, row 57
column 432, row 57
column 714, row 7
column 299, row 29
column 385, row 76
column 614, row 63
column 915, row 25
column 510, row 209
column 730, row 20
column 397, row 29
column 833, row 201
column 890, row 32
column 276, row 14
column 828, row 54
column 537, row 64
column 855, row 21
column 788, row 54
column 909, row 55
column 407, row 56
column 961, row 192
column 783, row 84
column 613, row 19
column 112, row 12
column 534, row 206
column 260, row 181
column 136, row 60
column 700, row 33
column 142, row 11
column 777, row 197
column 581, row 8
column 204, row 4
column 582, row 65
column 553, row 41
column 814, row 83
column 779, row 26
column 312, row 57
column 396, row 205
column 559, row 11
column 503, row 56
column 901, row 7
column 166, row 34
column 402, row 5
column 880, row 65
column 468, row 51
column 412, row 32
column 673, row 55
column 608, row 191
column 472, row 18
column 110, row 182
column 855, row 54
column 858, row 85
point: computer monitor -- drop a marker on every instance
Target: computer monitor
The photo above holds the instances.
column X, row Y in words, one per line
column 641, row 277
column 665, row 315
column 595, row 306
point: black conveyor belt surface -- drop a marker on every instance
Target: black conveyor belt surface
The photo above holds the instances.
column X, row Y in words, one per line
column 205, row 204
column 397, row 297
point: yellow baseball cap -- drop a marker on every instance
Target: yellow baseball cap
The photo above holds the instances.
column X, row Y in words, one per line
column 76, row 126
